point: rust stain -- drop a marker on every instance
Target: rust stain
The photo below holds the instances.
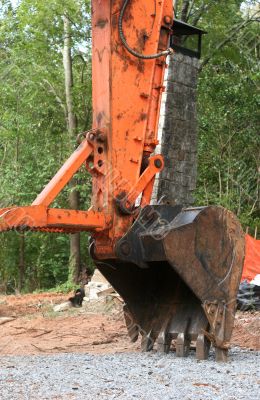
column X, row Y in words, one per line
column 101, row 23
column 144, row 95
column 125, row 67
column 128, row 59
column 99, row 118
column 142, row 37
column 140, row 66
column 163, row 39
column 143, row 117
column 114, row 21
column 128, row 14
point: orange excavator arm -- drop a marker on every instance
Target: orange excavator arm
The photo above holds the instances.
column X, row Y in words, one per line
column 130, row 44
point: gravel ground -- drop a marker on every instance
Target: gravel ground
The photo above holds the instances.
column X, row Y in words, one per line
column 129, row 376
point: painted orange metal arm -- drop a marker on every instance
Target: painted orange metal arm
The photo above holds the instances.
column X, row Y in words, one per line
column 127, row 89
column 130, row 43
column 146, row 180
column 39, row 217
column 64, row 175
column 53, row 220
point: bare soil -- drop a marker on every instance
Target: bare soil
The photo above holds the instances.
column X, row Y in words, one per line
column 97, row 328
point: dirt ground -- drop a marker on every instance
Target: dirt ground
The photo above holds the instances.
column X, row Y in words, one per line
column 97, row 328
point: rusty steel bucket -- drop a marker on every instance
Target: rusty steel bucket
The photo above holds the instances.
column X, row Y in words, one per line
column 178, row 271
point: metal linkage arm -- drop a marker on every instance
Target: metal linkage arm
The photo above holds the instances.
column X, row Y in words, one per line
column 64, row 175
column 126, row 202
column 39, row 217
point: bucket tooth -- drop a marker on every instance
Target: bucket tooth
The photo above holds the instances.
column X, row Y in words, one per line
column 147, row 342
column 164, row 339
column 221, row 354
column 164, row 343
column 182, row 345
column 202, row 347
column 132, row 327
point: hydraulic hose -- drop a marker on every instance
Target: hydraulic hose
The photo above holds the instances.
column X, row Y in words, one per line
column 128, row 48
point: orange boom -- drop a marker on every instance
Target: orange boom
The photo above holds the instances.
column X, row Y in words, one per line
column 177, row 269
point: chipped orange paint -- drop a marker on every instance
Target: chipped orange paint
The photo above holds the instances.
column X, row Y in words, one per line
column 126, row 101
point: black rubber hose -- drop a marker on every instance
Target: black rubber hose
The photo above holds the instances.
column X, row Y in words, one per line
column 128, row 48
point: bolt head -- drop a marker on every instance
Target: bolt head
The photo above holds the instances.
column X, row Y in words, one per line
column 125, row 248
column 167, row 19
column 158, row 163
column 101, row 137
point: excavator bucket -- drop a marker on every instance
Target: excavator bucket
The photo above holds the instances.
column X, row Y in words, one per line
column 178, row 271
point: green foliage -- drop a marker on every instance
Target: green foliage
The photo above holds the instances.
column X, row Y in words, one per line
column 229, row 158
column 65, row 287
column 33, row 126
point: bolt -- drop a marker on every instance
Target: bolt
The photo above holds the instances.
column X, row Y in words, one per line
column 125, row 248
column 128, row 204
column 158, row 163
column 167, row 19
column 101, row 137
column 154, row 216
column 145, row 95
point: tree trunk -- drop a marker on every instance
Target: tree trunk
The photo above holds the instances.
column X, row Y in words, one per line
column 74, row 197
column 67, row 63
column 75, row 257
column 21, row 265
